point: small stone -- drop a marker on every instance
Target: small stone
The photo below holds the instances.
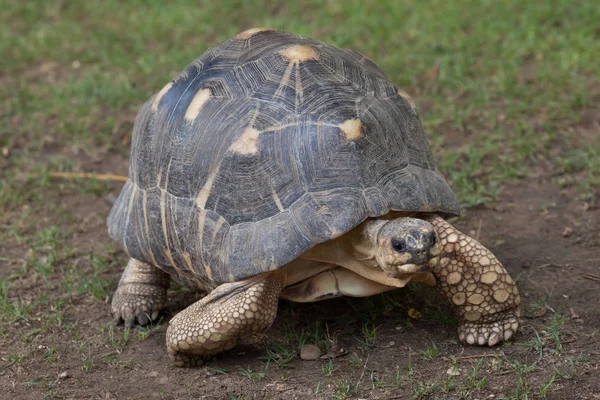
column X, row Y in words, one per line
column 567, row 231
column 64, row 375
column 310, row 352
column 280, row 387
column 453, row 371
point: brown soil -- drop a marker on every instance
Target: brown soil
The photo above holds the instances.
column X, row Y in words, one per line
column 545, row 237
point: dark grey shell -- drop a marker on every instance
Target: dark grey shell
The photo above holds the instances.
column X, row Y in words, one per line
column 243, row 162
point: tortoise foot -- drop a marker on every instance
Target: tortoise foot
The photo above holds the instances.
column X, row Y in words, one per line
column 141, row 294
column 489, row 334
column 187, row 360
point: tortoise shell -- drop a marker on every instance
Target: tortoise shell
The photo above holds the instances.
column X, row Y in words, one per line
column 265, row 146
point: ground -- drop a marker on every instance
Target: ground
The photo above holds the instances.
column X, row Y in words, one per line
column 509, row 93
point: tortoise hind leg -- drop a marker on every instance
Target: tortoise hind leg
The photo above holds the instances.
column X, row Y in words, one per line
column 141, row 294
column 217, row 322
column 482, row 293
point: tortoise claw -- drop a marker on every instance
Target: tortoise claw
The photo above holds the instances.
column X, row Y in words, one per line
column 489, row 334
column 129, row 307
column 141, row 294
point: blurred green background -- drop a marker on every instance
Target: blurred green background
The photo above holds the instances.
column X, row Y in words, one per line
column 498, row 83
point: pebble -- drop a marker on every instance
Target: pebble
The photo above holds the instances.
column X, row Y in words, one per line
column 310, row 352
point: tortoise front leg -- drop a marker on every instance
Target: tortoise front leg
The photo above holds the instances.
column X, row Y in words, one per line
column 482, row 293
column 216, row 323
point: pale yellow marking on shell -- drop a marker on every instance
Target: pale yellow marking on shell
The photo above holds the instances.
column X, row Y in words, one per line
column 299, row 90
column 188, row 260
column 205, row 191
column 454, row 278
column 170, row 257
column 407, row 97
column 147, row 225
column 299, row 53
column 247, row 34
column 163, row 215
column 484, row 261
column 452, row 238
column 284, row 126
column 489, row 277
column 351, row 128
column 277, row 200
column 145, row 211
column 247, row 142
column 216, row 229
column 285, row 79
column 501, row 295
column 197, row 103
column 472, row 315
column 475, row 299
column 160, row 95
column 201, row 222
column 459, row 298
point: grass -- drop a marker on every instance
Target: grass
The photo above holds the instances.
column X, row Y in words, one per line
column 430, row 353
column 253, row 374
column 328, row 369
column 547, row 55
column 342, row 390
column 548, row 339
column 504, row 89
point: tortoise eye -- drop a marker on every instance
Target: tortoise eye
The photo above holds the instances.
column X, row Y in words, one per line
column 399, row 245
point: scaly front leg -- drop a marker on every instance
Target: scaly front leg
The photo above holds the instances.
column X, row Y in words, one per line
column 217, row 322
column 482, row 293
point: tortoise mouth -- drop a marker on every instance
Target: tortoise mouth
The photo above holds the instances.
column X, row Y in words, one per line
column 411, row 269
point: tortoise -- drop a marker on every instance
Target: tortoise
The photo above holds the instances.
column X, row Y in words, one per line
column 277, row 166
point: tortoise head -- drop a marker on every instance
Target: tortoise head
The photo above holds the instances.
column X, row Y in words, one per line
column 401, row 246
